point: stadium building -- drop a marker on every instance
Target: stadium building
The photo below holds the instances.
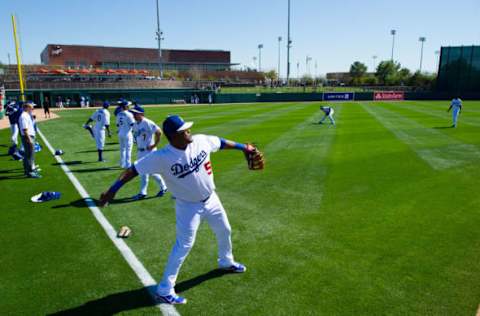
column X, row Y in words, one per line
column 459, row 69
column 81, row 56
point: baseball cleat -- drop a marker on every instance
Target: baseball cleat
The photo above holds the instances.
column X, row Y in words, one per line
column 171, row 299
column 161, row 193
column 139, row 196
column 235, row 268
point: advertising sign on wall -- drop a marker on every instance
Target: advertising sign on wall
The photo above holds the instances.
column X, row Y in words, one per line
column 388, row 95
column 338, row 96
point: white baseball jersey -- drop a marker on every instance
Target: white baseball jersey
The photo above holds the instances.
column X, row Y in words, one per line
column 143, row 132
column 125, row 122
column 456, row 103
column 188, row 173
column 25, row 121
column 101, row 118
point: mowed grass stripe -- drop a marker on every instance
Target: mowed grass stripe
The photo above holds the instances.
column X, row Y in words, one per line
column 387, row 229
column 465, row 133
column 277, row 208
column 437, row 149
column 437, row 110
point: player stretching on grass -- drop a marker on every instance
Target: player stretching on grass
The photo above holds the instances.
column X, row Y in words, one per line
column 101, row 117
column 456, row 105
column 147, row 136
column 328, row 113
column 185, row 164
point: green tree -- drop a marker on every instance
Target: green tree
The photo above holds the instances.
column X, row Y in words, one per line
column 387, row 72
column 422, row 81
column 357, row 72
column 272, row 75
column 403, row 76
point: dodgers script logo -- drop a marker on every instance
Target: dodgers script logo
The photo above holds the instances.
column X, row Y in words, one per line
column 181, row 171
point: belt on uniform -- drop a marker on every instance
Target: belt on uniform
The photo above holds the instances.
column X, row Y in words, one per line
column 142, row 149
column 205, row 200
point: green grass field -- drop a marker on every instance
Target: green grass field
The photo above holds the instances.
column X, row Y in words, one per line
column 378, row 216
column 260, row 89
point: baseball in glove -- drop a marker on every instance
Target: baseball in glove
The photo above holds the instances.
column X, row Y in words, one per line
column 254, row 157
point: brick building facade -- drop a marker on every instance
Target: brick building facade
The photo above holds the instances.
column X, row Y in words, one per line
column 135, row 58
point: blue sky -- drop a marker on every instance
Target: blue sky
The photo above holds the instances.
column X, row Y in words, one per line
column 332, row 33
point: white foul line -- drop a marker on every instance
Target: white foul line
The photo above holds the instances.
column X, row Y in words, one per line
column 127, row 253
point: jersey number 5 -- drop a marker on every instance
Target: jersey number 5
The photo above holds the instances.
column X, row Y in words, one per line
column 208, row 167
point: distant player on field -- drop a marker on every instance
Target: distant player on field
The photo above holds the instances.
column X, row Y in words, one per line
column 101, row 117
column 328, row 113
column 456, row 107
column 147, row 136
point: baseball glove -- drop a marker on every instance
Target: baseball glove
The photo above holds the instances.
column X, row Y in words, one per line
column 254, row 158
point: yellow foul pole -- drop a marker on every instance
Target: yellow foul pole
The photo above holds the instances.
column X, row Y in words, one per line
column 19, row 62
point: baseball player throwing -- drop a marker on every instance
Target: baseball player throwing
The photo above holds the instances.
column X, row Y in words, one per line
column 328, row 110
column 125, row 122
column 456, row 107
column 147, row 136
column 101, row 117
column 185, row 164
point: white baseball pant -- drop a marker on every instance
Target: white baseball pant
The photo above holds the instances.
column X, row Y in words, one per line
column 126, row 143
column 14, row 130
column 99, row 138
column 455, row 113
column 188, row 218
column 144, row 178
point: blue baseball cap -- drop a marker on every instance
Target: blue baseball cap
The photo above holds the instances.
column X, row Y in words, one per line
column 174, row 124
column 106, row 104
column 137, row 109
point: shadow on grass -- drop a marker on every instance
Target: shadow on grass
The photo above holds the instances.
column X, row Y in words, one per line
column 15, row 170
column 95, row 169
column 73, row 163
column 134, row 299
column 114, row 303
column 83, row 203
column 19, row 176
column 188, row 284
column 93, row 151
column 442, row 127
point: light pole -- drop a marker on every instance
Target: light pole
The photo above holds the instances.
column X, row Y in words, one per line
column 298, row 70
column 254, row 61
column 307, row 60
column 8, row 55
column 278, row 69
column 393, row 33
column 422, row 40
column 374, row 57
column 289, row 43
column 260, row 46
column 159, row 34
column 437, row 60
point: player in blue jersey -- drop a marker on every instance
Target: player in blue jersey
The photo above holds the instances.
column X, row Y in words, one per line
column 456, row 107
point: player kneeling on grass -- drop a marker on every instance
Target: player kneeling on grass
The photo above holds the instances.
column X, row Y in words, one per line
column 101, row 117
column 185, row 164
column 328, row 113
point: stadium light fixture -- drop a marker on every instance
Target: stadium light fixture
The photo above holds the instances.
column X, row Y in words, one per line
column 422, row 40
column 289, row 43
column 307, row 60
column 393, row 33
column 260, row 46
column 278, row 69
column 437, row 60
column 159, row 38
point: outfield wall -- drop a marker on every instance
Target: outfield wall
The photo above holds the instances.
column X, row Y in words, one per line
column 166, row 96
